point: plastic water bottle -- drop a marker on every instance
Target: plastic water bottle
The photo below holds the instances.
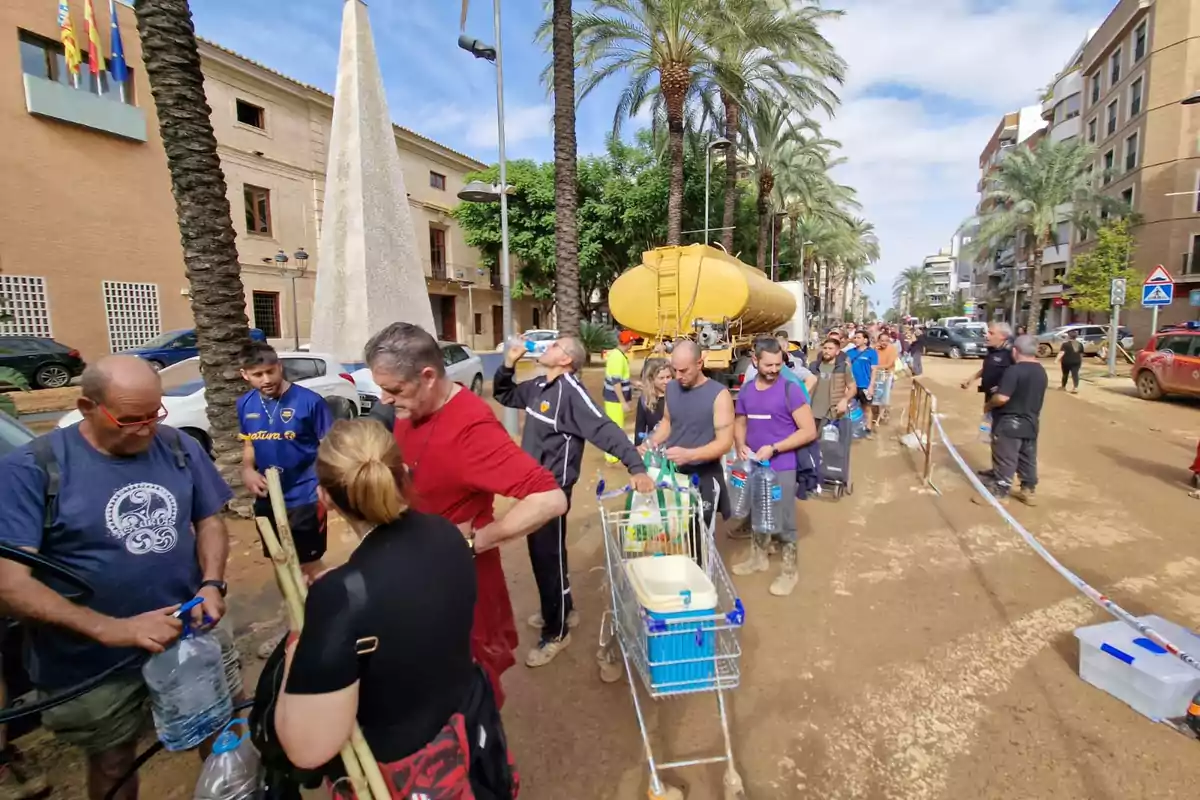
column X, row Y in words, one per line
column 858, row 422
column 188, row 692
column 233, row 771
column 765, row 498
column 985, row 428
column 830, row 433
column 739, row 489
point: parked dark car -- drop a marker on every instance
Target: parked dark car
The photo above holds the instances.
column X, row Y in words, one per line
column 45, row 363
column 956, row 342
column 175, row 346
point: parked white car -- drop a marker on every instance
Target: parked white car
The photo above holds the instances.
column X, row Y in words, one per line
column 463, row 367
column 183, row 391
column 541, row 338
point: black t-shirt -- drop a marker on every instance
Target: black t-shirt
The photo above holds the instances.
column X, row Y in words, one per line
column 419, row 577
column 1072, row 351
column 1024, row 384
column 647, row 418
column 917, row 347
column 995, row 363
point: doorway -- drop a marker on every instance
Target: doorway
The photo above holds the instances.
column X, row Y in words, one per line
column 444, row 321
column 497, row 325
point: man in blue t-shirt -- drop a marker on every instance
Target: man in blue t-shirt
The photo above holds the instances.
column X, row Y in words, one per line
column 136, row 515
column 282, row 425
column 864, row 364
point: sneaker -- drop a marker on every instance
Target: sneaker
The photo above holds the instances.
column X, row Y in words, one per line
column 999, row 491
column 788, row 575
column 756, row 560
column 268, row 647
column 545, row 651
column 16, row 782
column 536, row 622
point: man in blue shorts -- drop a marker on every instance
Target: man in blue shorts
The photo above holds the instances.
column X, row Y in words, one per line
column 282, row 425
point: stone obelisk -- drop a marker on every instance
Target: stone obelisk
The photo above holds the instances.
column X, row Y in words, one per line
column 368, row 270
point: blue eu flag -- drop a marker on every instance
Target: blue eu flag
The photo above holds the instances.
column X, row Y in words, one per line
column 116, row 63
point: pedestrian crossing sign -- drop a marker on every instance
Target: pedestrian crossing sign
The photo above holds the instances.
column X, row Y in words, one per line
column 1158, row 294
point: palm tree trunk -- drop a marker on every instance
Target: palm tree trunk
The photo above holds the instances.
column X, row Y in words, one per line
column 675, row 80
column 732, row 114
column 766, row 182
column 1035, row 287
column 566, row 229
column 205, row 227
column 825, row 310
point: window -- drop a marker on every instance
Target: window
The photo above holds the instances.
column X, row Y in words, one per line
column 1094, row 83
column 23, row 298
column 1127, row 198
column 298, row 369
column 453, row 354
column 131, row 311
column 1109, row 160
column 252, row 115
column 1135, row 97
column 1131, row 152
column 44, row 58
column 537, row 318
column 1179, row 345
column 478, row 324
column 1139, row 42
column 1062, row 234
column 1091, row 136
column 258, row 209
column 266, row 313
column 437, row 252
column 1114, row 68
column 1191, row 261
column 437, row 181
column 1070, row 107
column 1112, row 118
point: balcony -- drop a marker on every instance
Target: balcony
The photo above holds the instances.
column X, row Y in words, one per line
column 1051, row 290
column 53, row 100
column 1066, row 129
column 1059, row 254
column 437, row 271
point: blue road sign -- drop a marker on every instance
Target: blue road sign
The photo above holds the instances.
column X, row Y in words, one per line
column 1158, row 294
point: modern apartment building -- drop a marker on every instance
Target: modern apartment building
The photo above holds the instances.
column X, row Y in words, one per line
column 943, row 279
column 1142, row 62
column 89, row 245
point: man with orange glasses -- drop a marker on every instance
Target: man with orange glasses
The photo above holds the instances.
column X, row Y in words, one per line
column 132, row 507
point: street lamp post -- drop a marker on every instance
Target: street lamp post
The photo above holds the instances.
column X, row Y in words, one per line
column 496, row 56
column 281, row 261
column 720, row 143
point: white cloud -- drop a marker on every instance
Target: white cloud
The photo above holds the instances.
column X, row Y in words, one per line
column 961, row 66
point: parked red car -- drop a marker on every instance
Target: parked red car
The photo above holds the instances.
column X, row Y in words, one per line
column 1169, row 364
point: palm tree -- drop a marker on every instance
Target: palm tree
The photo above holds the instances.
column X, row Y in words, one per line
column 566, row 229
column 766, row 51
column 852, row 275
column 205, row 226
column 909, row 287
column 647, row 41
column 1025, row 195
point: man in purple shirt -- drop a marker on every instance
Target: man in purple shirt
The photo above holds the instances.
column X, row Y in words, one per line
column 772, row 422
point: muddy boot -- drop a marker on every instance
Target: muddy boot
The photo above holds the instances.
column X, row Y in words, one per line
column 16, row 782
column 1025, row 496
column 757, row 560
column 788, row 575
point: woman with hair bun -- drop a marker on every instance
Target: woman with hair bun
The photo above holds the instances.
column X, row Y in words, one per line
column 387, row 636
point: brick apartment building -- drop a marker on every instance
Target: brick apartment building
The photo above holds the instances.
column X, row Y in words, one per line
column 89, row 246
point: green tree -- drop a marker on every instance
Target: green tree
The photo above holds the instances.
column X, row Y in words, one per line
column 1092, row 273
column 210, row 255
column 910, row 287
column 1025, row 194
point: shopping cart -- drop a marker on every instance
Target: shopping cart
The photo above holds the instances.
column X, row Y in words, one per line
column 695, row 650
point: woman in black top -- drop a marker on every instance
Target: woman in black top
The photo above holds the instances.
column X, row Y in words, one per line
column 656, row 374
column 1071, row 359
column 408, row 589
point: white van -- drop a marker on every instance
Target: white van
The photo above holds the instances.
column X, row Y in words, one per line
column 950, row 322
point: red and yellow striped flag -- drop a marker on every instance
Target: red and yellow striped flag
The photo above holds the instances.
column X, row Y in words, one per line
column 66, row 32
column 95, row 49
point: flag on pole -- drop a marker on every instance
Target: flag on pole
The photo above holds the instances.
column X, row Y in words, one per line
column 95, row 49
column 117, row 66
column 66, row 32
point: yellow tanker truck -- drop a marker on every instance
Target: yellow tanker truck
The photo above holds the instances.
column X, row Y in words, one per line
column 705, row 294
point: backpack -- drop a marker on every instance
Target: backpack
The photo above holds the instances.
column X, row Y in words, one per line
column 808, row 458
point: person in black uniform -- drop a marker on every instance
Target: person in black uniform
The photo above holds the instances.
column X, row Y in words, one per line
column 1016, row 412
column 406, row 596
column 559, row 418
column 998, row 359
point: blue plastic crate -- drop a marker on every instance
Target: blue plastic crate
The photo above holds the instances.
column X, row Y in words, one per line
column 672, row 641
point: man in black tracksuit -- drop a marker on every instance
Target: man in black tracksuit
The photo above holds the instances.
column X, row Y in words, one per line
column 559, row 418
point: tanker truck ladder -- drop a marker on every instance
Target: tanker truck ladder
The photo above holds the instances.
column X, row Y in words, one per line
column 667, row 273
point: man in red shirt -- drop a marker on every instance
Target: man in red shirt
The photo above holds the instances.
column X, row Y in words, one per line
column 459, row 458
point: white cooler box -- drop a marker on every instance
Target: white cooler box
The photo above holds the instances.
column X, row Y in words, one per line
column 1116, row 658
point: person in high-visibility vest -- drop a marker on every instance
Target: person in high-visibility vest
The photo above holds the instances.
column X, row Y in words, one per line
column 617, row 388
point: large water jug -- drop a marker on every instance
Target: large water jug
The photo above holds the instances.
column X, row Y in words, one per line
column 188, row 691
column 858, row 421
column 765, row 499
column 739, row 489
column 233, row 771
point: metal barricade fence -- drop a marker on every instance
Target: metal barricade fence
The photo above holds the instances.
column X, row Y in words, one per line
column 918, row 424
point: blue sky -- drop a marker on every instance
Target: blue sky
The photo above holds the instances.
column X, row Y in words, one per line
column 928, row 82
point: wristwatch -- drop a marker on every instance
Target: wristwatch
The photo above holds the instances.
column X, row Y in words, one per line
column 220, row 586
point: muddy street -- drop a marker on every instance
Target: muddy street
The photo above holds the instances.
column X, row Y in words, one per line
column 927, row 652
